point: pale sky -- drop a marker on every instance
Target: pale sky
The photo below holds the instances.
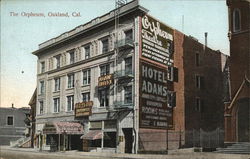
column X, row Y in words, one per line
column 20, row 35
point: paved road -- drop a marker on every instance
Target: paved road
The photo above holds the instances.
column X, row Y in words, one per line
column 19, row 153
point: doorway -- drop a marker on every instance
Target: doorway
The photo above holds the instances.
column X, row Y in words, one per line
column 128, row 135
column 243, row 122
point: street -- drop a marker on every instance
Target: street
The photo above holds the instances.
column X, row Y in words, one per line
column 21, row 153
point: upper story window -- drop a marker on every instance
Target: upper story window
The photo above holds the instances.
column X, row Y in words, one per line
column 127, row 94
column 86, row 77
column 128, row 65
column 198, row 104
column 41, row 107
column 71, row 56
column 104, row 97
column 42, row 65
column 86, row 97
column 71, row 79
column 58, row 61
column 87, row 51
column 105, row 45
column 56, row 105
column 128, row 35
column 42, row 87
column 197, row 59
column 70, row 103
column 236, row 20
column 104, row 70
column 57, row 84
column 10, row 120
column 199, row 81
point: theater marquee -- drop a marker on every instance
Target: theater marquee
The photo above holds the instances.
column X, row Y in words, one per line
column 156, row 41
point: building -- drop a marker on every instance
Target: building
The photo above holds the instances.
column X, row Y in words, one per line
column 127, row 83
column 237, row 111
column 12, row 124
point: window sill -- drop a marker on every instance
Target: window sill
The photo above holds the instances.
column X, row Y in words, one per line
column 70, row 88
column 56, row 91
column 85, row 85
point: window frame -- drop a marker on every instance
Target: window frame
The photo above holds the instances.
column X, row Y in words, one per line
column 57, row 106
column 71, row 56
column 105, row 47
column 41, row 109
column 42, row 87
column 127, row 69
column 87, row 96
column 58, row 61
column 86, row 56
column 128, row 94
column 130, row 37
column 7, row 120
column 107, row 69
column 106, row 97
column 86, row 78
column 57, row 86
column 70, row 100
column 71, row 82
column 234, row 20
column 42, row 66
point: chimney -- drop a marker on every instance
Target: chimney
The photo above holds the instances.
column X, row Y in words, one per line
column 12, row 105
column 205, row 39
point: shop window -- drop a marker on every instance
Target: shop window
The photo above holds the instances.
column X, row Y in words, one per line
column 109, row 139
column 71, row 79
column 86, row 97
column 86, row 77
column 42, row 65
column 42, row 87
column 127, row 94
column 56, row 105
column 41, row 107
column 105, row 45
column 128, row 65
column 87, row 51
column 10, row 120
column 104, row 70
column 236, row 20
column 70, row 103
column 104, row 97
column 57, row 84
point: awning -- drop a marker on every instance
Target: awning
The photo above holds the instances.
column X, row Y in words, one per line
column 63, row 128
column 92, row 135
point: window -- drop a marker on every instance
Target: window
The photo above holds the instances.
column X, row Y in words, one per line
column 105, row 45
column 104, row 97
column 87, row 51
column 56, row 105
column 57, row 84
column 127, row 94
column 128, row 36
column 109, row 139
column 86, row 77
column 42, row 87
column 71, row 57
column 41, row 107
column 199, row 81
column 197, row 59
column 42, row 67
column 198, row 104
column 236, row 20
column 104, row 70
column 171, row 99
column 128, row 65
column 58, row 62
column 70, row 103
column 86, row 97
column 10, row 120
column 71, row 79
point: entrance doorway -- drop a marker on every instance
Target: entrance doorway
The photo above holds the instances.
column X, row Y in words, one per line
column 128, row 135
column 243, row 122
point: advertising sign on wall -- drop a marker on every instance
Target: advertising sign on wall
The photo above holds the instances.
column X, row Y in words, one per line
column 83, row 109
column 154, row 110
column 105, row 80
column 156, row 41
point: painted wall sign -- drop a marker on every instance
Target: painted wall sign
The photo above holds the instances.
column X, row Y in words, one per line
column 156, row 41
column 154, row 111
column 105, row 80
column 83, row 109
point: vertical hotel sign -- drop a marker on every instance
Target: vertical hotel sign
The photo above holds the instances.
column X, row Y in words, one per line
column 155, row 57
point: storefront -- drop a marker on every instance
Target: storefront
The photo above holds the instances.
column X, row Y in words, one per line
column 62, row 136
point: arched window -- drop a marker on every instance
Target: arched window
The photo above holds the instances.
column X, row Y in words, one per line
column 236, row 20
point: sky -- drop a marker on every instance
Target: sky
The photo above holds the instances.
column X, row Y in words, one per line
column 21, row 35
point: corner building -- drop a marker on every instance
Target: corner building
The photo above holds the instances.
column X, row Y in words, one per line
column 126, row 83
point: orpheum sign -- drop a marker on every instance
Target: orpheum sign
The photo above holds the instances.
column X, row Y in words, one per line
column 156, row 41
column 83, row 109
column 154, row 112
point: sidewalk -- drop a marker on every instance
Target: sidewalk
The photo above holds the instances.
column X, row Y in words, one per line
column 20, row 153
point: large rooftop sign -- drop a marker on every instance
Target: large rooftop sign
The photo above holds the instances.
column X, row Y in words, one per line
column 156, row 41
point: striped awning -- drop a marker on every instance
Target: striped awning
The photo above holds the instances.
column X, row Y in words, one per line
column 92, row 135
column 63, row 128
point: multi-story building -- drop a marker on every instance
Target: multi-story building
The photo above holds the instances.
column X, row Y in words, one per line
column 124, row 80
column 237, row 110
column 12, row 124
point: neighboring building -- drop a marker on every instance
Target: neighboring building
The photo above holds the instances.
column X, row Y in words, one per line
column 123, row 86
column 12, row 124
column 237, row 111
column 32, row 118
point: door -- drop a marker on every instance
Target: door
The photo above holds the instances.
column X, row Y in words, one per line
column 128, row 135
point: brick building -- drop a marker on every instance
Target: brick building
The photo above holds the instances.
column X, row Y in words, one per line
column 237, row 110
column 124, row 80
